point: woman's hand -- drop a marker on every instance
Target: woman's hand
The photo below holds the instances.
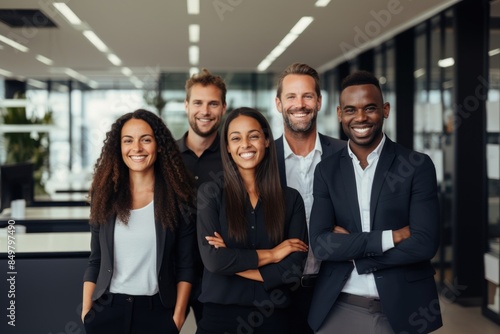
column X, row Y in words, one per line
column 179, row 319
column 287, row 247
column 85, row 310
column 216, row 241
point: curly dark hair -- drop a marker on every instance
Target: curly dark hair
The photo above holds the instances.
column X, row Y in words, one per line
column 110, row 193
column 267, row 183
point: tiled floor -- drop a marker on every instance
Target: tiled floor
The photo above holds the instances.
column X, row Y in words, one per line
column 456, row 319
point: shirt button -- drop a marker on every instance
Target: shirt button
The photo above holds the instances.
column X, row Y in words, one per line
column 252, row 212
column 130, row 299
column 253, row 227
column 196, row 177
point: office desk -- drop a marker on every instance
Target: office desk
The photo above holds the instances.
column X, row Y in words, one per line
column 51, row 219
column 48, row 276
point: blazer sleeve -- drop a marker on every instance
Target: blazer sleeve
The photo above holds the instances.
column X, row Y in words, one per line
column 186, row 239
column 225, row 261
column 290, row 267
column 329, row 246
column 423, row 218
column 94, row 264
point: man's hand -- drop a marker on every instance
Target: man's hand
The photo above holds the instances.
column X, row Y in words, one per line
column 339, row 229
column 401, row 234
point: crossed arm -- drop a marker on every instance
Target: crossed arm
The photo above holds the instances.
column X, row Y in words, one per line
column 265, row 256
column 416, row 241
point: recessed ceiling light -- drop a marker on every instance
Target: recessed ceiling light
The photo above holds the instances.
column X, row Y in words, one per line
column 114, row 59
column 126, row 71
column 92, row 37
column 13, row 44
column 322, row 3
column 194, row 55
column 44, row 60
column 193, row 7
column 194, row 33
column 5, row 73
column 67, row 13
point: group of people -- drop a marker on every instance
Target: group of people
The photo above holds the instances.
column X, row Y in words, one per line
column 300, row 234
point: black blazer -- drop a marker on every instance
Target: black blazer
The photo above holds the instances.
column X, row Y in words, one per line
column 173, row 253
column 328, row 144
column 404, row 193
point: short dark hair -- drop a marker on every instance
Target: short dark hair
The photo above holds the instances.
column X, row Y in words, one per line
column 206, row 78
column 301, row 69
column 360, row 77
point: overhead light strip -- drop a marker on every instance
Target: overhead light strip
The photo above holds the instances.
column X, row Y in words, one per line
column 114, row 59
column 194, row 55
column 67, row 13
column 45, row 60
column 5, row 73
column 322, row 3
column 294, row 33
column 98, row 43
column 193, row 7
column 13, row 44
column 194, row 33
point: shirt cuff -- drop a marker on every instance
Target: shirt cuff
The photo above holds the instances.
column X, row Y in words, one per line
column 387, row 241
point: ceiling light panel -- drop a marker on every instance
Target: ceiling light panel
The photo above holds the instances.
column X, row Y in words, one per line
column 13, row 44
column 67, row 13
column 194, row 33
column 98, row 43
column 193, row 7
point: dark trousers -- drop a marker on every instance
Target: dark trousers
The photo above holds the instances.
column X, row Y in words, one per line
column 194, row 303
column 124, row 314
column 235, row 319
column 299, row 310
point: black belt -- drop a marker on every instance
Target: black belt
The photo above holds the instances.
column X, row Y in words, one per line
column 308, row 281
column 371, row 304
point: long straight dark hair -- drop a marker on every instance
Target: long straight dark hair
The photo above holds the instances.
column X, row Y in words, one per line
column 267, row 184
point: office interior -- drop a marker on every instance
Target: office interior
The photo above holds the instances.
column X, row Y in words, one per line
column 439, row 70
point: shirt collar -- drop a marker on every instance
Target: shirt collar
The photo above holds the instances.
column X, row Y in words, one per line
column 183, row 147
column 375, row 153
column 288, row 151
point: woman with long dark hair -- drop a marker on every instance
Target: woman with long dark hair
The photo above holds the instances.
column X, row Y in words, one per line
column 140, row 266
column 251, row 232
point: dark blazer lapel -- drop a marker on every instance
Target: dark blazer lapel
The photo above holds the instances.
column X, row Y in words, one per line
column 384, row 163
column 280, row 152
column 349, row 180
column 325, row 146
column 109, row 235
column 161, row 235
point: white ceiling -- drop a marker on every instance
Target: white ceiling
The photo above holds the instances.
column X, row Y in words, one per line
column 151, row 36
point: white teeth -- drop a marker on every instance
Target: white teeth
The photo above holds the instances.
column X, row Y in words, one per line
column 137, row 158
column 362, row 131
column 247, row 155
column 204, row 119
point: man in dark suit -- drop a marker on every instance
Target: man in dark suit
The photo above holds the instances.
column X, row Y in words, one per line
column 299, row 150
column 374, row 224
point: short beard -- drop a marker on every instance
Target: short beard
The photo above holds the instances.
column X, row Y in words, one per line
column 204, row 134
column 304, row 130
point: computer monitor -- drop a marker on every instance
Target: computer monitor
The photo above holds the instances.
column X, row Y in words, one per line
column 16, row 182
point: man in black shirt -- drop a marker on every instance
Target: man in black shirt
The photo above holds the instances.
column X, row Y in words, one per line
column 205, row 106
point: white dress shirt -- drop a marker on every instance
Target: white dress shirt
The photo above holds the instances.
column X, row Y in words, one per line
column 300, row 176
column 364, row 285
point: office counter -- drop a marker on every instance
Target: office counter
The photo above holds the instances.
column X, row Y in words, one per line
column 51, row 219
column 45, row 280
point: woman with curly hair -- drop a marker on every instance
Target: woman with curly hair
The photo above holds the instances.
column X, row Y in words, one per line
column 140, row 268
column 251, row 232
